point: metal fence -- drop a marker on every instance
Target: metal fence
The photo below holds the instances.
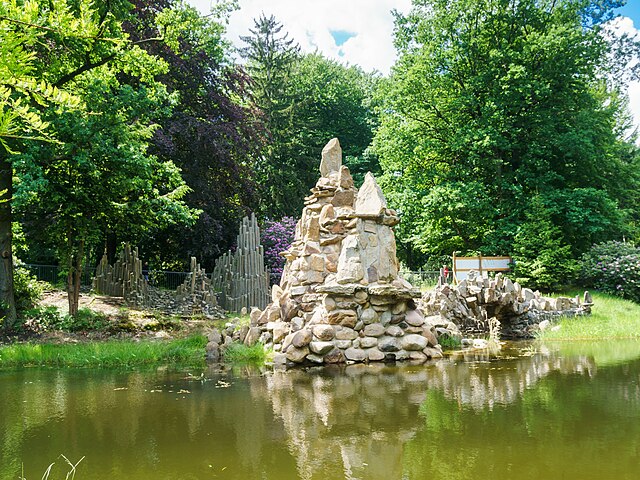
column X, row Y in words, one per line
column 55, row 275
column 171, row 280
column 166, row 279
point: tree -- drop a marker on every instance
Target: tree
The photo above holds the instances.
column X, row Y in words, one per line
column 332, row 100
column 213, row 135
column 21, row 27
column 96, row 170
column 306, row 99
column 271, row 57
column 512, row 97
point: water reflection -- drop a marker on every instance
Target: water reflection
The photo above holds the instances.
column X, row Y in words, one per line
column 548, row 413
column 352, row 420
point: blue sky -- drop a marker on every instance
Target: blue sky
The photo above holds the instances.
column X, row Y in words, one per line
column 632, row 10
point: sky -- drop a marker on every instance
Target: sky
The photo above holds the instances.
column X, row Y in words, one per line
column 360, row 32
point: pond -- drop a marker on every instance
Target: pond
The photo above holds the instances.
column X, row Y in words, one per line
column 569, row 412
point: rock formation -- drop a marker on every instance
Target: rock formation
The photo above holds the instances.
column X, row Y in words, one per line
column 124, row 278
column 340, row 298
column 241, row 278
column 196, row 294
column 472, row 303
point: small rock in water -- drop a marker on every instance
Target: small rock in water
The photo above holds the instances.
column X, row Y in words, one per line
column 544, row 325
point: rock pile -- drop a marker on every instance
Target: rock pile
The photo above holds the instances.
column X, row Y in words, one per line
column 474, row 302
column 125, row 279
column 340, row 298
column 196, row 294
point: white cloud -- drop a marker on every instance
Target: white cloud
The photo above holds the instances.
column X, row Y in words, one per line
column 624, row 25
column 310, row 22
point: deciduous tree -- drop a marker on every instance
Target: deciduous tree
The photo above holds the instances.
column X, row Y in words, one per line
column 511, row 97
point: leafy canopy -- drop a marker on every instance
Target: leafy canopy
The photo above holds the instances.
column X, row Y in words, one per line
column 493, row 103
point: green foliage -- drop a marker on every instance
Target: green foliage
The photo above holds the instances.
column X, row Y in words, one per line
column 85, row 320
column 239, row 353
column 447, row 342
column 96, row 176
column 542, row 259
column 614, row 268
column 111, row 354
column 26, row 288
column 306, row 100
column 493, row 103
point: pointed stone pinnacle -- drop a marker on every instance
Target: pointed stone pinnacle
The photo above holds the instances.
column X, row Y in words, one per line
column 331, row 158
column 370, row 199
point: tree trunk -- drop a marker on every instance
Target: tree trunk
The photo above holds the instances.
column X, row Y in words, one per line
column 7, row 299
column 74, row 277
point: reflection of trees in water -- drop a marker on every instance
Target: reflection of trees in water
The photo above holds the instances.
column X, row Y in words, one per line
column 452, row 418
column 363, row 420
column 126, row 430
column 575, row 423
column 481, row 381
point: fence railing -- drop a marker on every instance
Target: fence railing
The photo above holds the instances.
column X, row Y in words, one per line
column 54, row 274
column 171, row 280
column 166, row 279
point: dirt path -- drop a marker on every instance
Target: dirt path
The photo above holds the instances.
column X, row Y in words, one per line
column 99, row 303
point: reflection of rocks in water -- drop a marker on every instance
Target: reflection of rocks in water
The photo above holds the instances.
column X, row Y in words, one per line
column 483, row 381
column 355, row 419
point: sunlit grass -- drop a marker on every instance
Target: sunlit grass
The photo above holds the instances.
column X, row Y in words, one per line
column 611, row 318
column 239, row 353
column 189, row 350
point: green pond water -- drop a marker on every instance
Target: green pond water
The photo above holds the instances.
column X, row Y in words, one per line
column 567, row 412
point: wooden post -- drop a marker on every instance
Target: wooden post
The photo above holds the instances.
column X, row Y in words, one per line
column 454, row 270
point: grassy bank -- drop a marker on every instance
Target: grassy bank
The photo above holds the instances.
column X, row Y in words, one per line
column 612, row 318
column 186, row 351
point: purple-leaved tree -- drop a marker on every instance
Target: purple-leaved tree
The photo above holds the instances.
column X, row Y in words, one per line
column 276, row 237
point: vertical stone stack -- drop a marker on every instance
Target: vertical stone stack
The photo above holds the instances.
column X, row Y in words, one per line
column 241, row 278
column 196, row 294
column 124, row 278
column 340, row 298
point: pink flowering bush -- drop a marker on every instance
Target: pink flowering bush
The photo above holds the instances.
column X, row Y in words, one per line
column 613, row 267
column 276, row 237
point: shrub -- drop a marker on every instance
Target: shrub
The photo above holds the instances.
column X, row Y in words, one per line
column 26, row 288
column 614, row 268
column 86, row 319
column 41, row 319
column 541, row 257
column 276, row 237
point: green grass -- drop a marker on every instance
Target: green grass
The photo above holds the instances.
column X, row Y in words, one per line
column 611, row 318
column 187, row 351
column 239, row 353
